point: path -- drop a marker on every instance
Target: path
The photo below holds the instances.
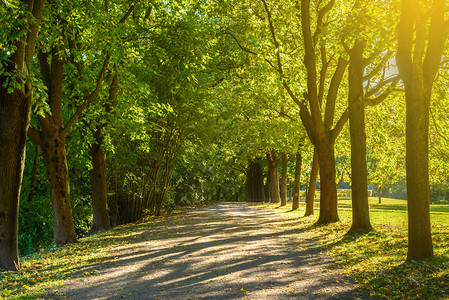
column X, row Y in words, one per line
column 223, row 251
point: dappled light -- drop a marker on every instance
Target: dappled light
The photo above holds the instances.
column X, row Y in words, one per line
column 189, row 149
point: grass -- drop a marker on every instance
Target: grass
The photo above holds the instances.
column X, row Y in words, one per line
column 377, row 260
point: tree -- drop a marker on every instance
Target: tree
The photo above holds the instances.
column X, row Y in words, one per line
column 310, row 196
column 254, row 182
column 273, row 171
column 284, row 173
column 297, row 180
column 422, row 33
column 363, row 90
column 19, row 31
column 98, row 179
column 55, row 67
column 321, row 130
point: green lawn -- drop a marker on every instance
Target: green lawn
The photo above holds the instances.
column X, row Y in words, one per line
column 377, row 259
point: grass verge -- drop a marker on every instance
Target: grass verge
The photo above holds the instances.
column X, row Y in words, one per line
column 377, row 260
column 48, row 268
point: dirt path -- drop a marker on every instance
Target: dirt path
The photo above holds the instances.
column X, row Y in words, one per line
column 223, row 251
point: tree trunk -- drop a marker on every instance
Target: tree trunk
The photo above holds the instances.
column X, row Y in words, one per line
column 284, row 179
column 99, row 189
column 359, row 175
column 379, row 193
column 14, row 119
column 53, row 149
column 328, row 186
column 297, row 181
column 98, row 179
column 15, row 112
column 290, row 189
column 420, row 49
column 418, row 190
column 310, row 197
column 274, row 176
column 254, row 183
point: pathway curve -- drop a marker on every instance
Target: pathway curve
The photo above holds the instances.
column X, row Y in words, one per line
column 222, row 251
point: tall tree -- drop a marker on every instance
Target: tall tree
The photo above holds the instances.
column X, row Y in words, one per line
column 19, row 31
column 55, row 65
column 364, row 52
column 98, row 180
column 422, row 33
column 321, row 130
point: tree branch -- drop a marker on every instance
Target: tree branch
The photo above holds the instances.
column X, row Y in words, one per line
column 340, row 123
column 89, row 97
column 240, row 45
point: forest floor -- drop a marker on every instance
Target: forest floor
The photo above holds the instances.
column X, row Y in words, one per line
column 221, row 251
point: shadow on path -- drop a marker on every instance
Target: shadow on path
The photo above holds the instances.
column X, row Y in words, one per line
column 223, row 251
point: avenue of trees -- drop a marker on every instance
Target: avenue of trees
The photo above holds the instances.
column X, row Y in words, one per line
column 111, row 110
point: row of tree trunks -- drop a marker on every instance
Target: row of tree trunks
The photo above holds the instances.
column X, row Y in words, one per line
column 255, row 189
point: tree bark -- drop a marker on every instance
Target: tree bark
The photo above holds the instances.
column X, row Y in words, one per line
column 15, row 112
column 274, row 176
column 14, row 119
column 54, row 151
column 360, row 207
column 310, row 197
column 99, row 189
column 297, row 181
column 254, row 183
column 418, row 190
column 328, row 186
column 284, row 179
